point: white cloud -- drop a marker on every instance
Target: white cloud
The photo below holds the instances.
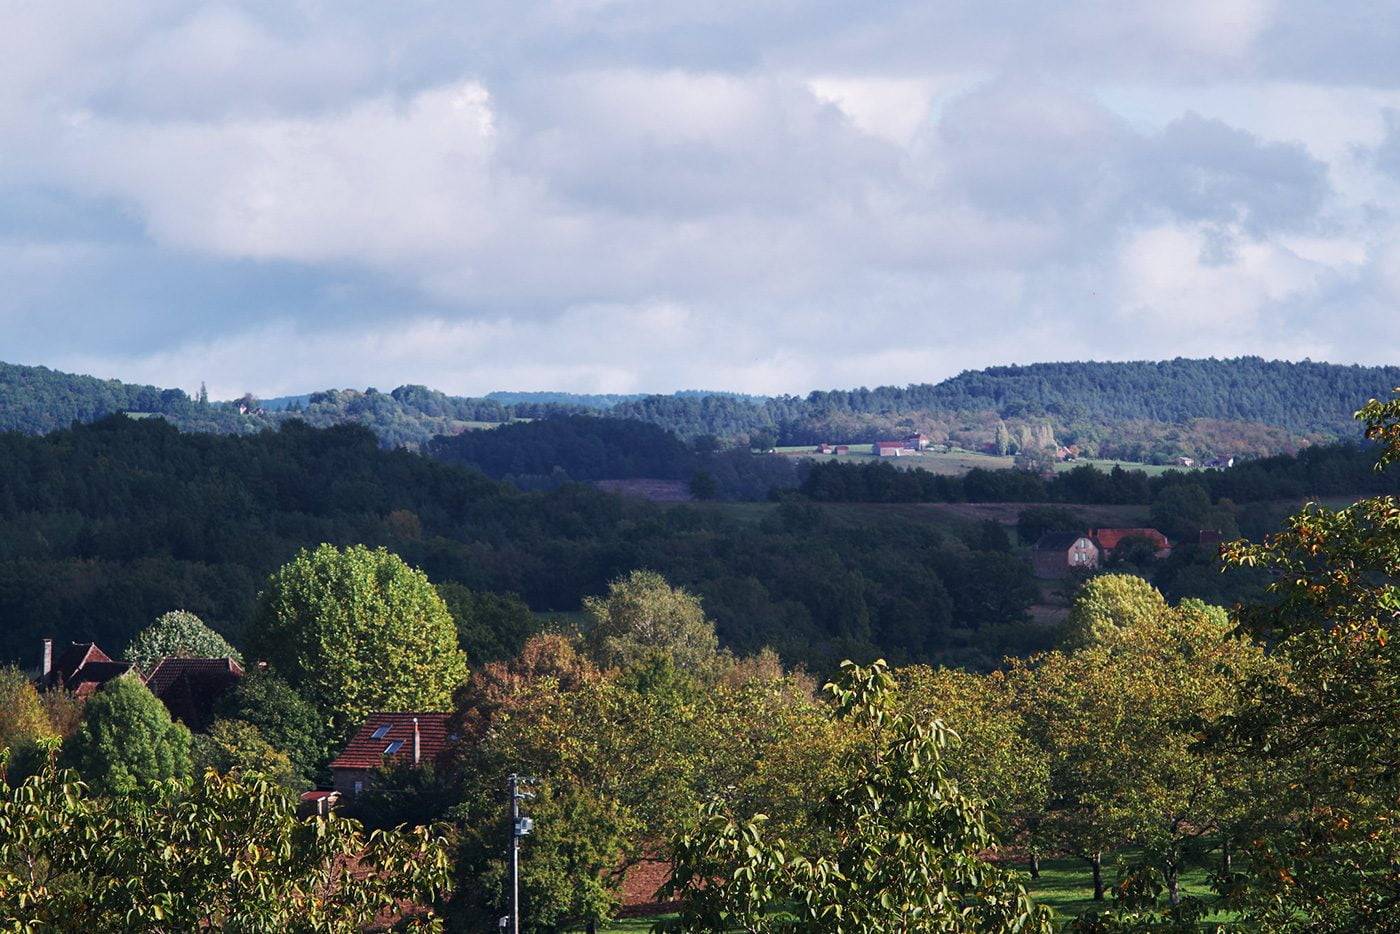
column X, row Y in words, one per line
column 621, row 195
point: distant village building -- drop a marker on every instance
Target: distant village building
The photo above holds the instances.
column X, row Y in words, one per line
column 1058, row 554
column 82, row 668
column 190, row 687
column 1218, row 463
column 388, row 738
column 893, row 448
column 1109, row 539
column 1186, row 462
column 917, row 441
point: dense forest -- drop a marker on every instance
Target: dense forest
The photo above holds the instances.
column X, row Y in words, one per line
column 548, row 452
column 1140, row 411
column 105, row 526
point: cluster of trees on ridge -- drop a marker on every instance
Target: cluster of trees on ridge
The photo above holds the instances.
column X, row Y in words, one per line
column 1141, row 411
column 1152, row 739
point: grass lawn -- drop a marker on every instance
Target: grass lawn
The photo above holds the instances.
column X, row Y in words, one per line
column 1065, row 885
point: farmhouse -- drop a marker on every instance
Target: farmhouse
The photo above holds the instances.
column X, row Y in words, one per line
column 1109, row 539
column 1058, row 554
column 385, row 739
column 918, row 441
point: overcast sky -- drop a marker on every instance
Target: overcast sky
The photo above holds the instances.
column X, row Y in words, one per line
column 647, row 195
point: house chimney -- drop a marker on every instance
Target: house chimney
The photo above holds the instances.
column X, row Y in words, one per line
column 417, row 748
column 46, row 660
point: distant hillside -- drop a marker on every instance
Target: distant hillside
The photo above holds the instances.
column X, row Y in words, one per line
column 1140, row 411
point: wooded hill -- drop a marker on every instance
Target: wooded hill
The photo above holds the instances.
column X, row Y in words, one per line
column 1142, row 411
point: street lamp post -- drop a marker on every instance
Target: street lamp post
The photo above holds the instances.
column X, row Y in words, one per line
column 519, row 827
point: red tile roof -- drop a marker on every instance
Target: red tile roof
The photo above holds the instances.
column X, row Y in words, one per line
column 366, row 751
column 1108, row 539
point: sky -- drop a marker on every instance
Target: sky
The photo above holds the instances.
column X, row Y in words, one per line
column 648, row 195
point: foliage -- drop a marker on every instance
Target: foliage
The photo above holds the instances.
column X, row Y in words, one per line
column 104, row 526
column 225, row 854
column 230, row 745
column 1320, row 852
column 904, row 852
column 22, row 715
column 127, row 740
column 282, row 717
column 1109, row 603
column 1121, row 719
column 405, row 794
column 490, row 626
column 357, row 630
column 177, row 634
column 642, row 614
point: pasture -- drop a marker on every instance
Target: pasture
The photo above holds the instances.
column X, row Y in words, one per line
column 956, row 461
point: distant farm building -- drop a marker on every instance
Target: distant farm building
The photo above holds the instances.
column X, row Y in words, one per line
column 387, row 739
column 1059, row 554
column 917, row 441
column 825, row 448
column 893, row 449
column 1110, row 539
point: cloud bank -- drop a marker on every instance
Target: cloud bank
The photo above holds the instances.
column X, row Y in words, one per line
column 626, row 196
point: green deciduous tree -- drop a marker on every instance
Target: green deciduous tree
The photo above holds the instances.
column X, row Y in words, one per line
column 282, row 717
column 222, row 854
column 177, row 634
column 904, row 852
column 1109, row 603
column 127, row 740
column 230, row 745
column 1321, row 851
column 643, row 614
column 358, row 630
column 22, row 716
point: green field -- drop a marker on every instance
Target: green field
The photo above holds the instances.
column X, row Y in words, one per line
column 1065, row 885
column 956, row 462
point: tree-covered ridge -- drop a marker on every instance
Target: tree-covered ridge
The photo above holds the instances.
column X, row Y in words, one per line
column 1142, row 411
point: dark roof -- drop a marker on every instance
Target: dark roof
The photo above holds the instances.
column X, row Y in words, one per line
column 365, row 751
column 1058, row 541
column 82, row 668
column 190, row 687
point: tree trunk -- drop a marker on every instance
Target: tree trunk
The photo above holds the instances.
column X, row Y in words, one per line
column 1096, row 862
column 593, row 927
column 1035, row 863
column 1226, row 857
column 1173, row 883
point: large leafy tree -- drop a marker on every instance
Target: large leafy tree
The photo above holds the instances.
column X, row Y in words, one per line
column 1121, row 720
column 127, row 740
column 358, row 630
column 1322, row 852
column 904, row 851
column 177, row 634
column 221, row 854
column 1108, row 603
column 643, row 614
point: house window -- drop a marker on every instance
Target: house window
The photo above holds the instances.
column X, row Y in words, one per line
column 359, row 787
column 394, row 747
column 381, row 732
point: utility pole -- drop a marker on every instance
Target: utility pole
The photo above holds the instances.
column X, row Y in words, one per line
column 519, row 827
